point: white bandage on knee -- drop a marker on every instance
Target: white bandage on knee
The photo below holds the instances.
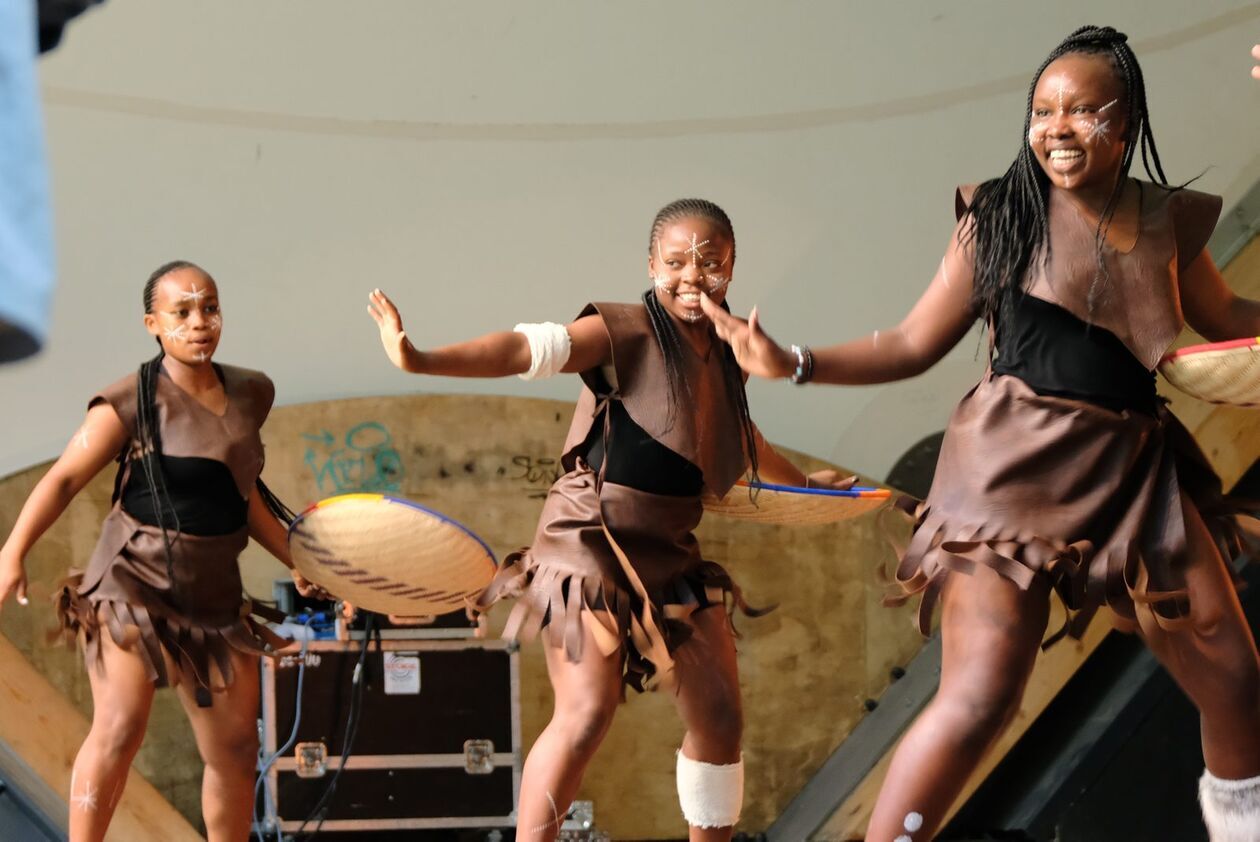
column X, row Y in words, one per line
column 710, row 794
column 549, row 346
column 1231, row 809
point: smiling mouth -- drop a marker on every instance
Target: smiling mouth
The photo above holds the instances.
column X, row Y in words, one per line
column 1063, row 160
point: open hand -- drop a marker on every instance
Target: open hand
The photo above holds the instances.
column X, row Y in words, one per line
column 754, row 350
column 394, row 339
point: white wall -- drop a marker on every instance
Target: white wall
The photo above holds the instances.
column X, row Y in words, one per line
column 493, row 162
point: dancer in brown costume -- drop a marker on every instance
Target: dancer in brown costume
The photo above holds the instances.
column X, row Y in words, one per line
column 161, row 600
column 615, row 574
column 1061, row 470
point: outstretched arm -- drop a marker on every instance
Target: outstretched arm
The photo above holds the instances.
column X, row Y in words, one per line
column 1211, row 307
column 93, row 447
column 496, row 354
column 935, row 324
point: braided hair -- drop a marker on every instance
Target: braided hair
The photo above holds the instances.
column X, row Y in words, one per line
column 1007, row 222
column 147, row 449
column 667, row 332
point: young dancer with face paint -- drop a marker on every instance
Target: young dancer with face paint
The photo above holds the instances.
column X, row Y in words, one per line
column 161, row 600
column 1062, row 470
column 615, row 574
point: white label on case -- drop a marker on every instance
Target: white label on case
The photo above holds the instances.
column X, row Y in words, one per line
column 402, row 674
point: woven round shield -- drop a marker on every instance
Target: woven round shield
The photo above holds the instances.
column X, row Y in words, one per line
column 1220, row 372
column 389, row 555
column 792, row 505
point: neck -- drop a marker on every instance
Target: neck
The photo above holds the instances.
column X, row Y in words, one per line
column 195, row 377
column 1095, row 196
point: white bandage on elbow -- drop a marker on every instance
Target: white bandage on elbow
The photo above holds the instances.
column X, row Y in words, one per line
column 549, row 347
column 710, row 794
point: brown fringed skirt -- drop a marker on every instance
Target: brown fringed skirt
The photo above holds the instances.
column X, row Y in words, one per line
column 623, row 563
column 197, row 619
column 1032, row 485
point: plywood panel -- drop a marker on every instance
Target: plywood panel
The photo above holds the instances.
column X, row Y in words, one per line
column 488, row 461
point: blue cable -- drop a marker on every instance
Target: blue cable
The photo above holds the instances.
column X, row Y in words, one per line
column 265, row 766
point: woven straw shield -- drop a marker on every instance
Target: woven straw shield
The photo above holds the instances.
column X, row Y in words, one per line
column 1220, row 372
column 788, row 505
column 389, row 555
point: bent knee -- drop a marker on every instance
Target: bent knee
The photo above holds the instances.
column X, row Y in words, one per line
column 584, row 724
column 721, row 722
column 977, row 717
column 234, row 748
column 119, row 733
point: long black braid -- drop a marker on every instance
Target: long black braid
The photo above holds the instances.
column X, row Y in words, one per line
column 667, row 332
column 1007, row 222
column 147, row 451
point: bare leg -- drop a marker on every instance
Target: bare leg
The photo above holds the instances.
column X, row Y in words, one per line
column 990, row 634
column 227, row 739
column 122, row 695
column 586, row 697
column 1214, row 661
column 708, row 700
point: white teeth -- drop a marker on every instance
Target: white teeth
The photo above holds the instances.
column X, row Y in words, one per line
column 1065, row 154
column 691, row 297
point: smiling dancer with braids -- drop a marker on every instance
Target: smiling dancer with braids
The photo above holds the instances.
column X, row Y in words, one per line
column 161, row 600
column 615, row 573
column 1062, row 470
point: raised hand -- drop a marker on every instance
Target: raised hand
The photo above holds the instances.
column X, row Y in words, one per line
column 393, row 338
column 754, row 350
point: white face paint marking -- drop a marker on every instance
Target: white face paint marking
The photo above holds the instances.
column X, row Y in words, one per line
column 716, row 282
column 694, row 250
column 663, row 283
column 202, row 356
column 903, row 838
column 1108, row 105
column 913, row 822
column 176, row 334
column 86, row 800
column 1098, row 130
column 556, row 821
column 1037, row 132
column 1062, row 90
column 193, row 297
column 216, row 323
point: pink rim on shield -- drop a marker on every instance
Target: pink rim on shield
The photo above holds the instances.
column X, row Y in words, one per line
column 1219, row 372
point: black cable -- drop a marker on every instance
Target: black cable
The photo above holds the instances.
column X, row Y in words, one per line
column 352, row 730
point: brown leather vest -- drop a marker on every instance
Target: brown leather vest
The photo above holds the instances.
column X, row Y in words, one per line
column 706, row 429
column 1138, row 299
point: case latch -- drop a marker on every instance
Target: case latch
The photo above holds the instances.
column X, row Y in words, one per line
column 312, row 760
column 478, row 757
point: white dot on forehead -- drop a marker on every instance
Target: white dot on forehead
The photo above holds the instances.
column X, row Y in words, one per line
column 903, row 838
column 913, row 822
